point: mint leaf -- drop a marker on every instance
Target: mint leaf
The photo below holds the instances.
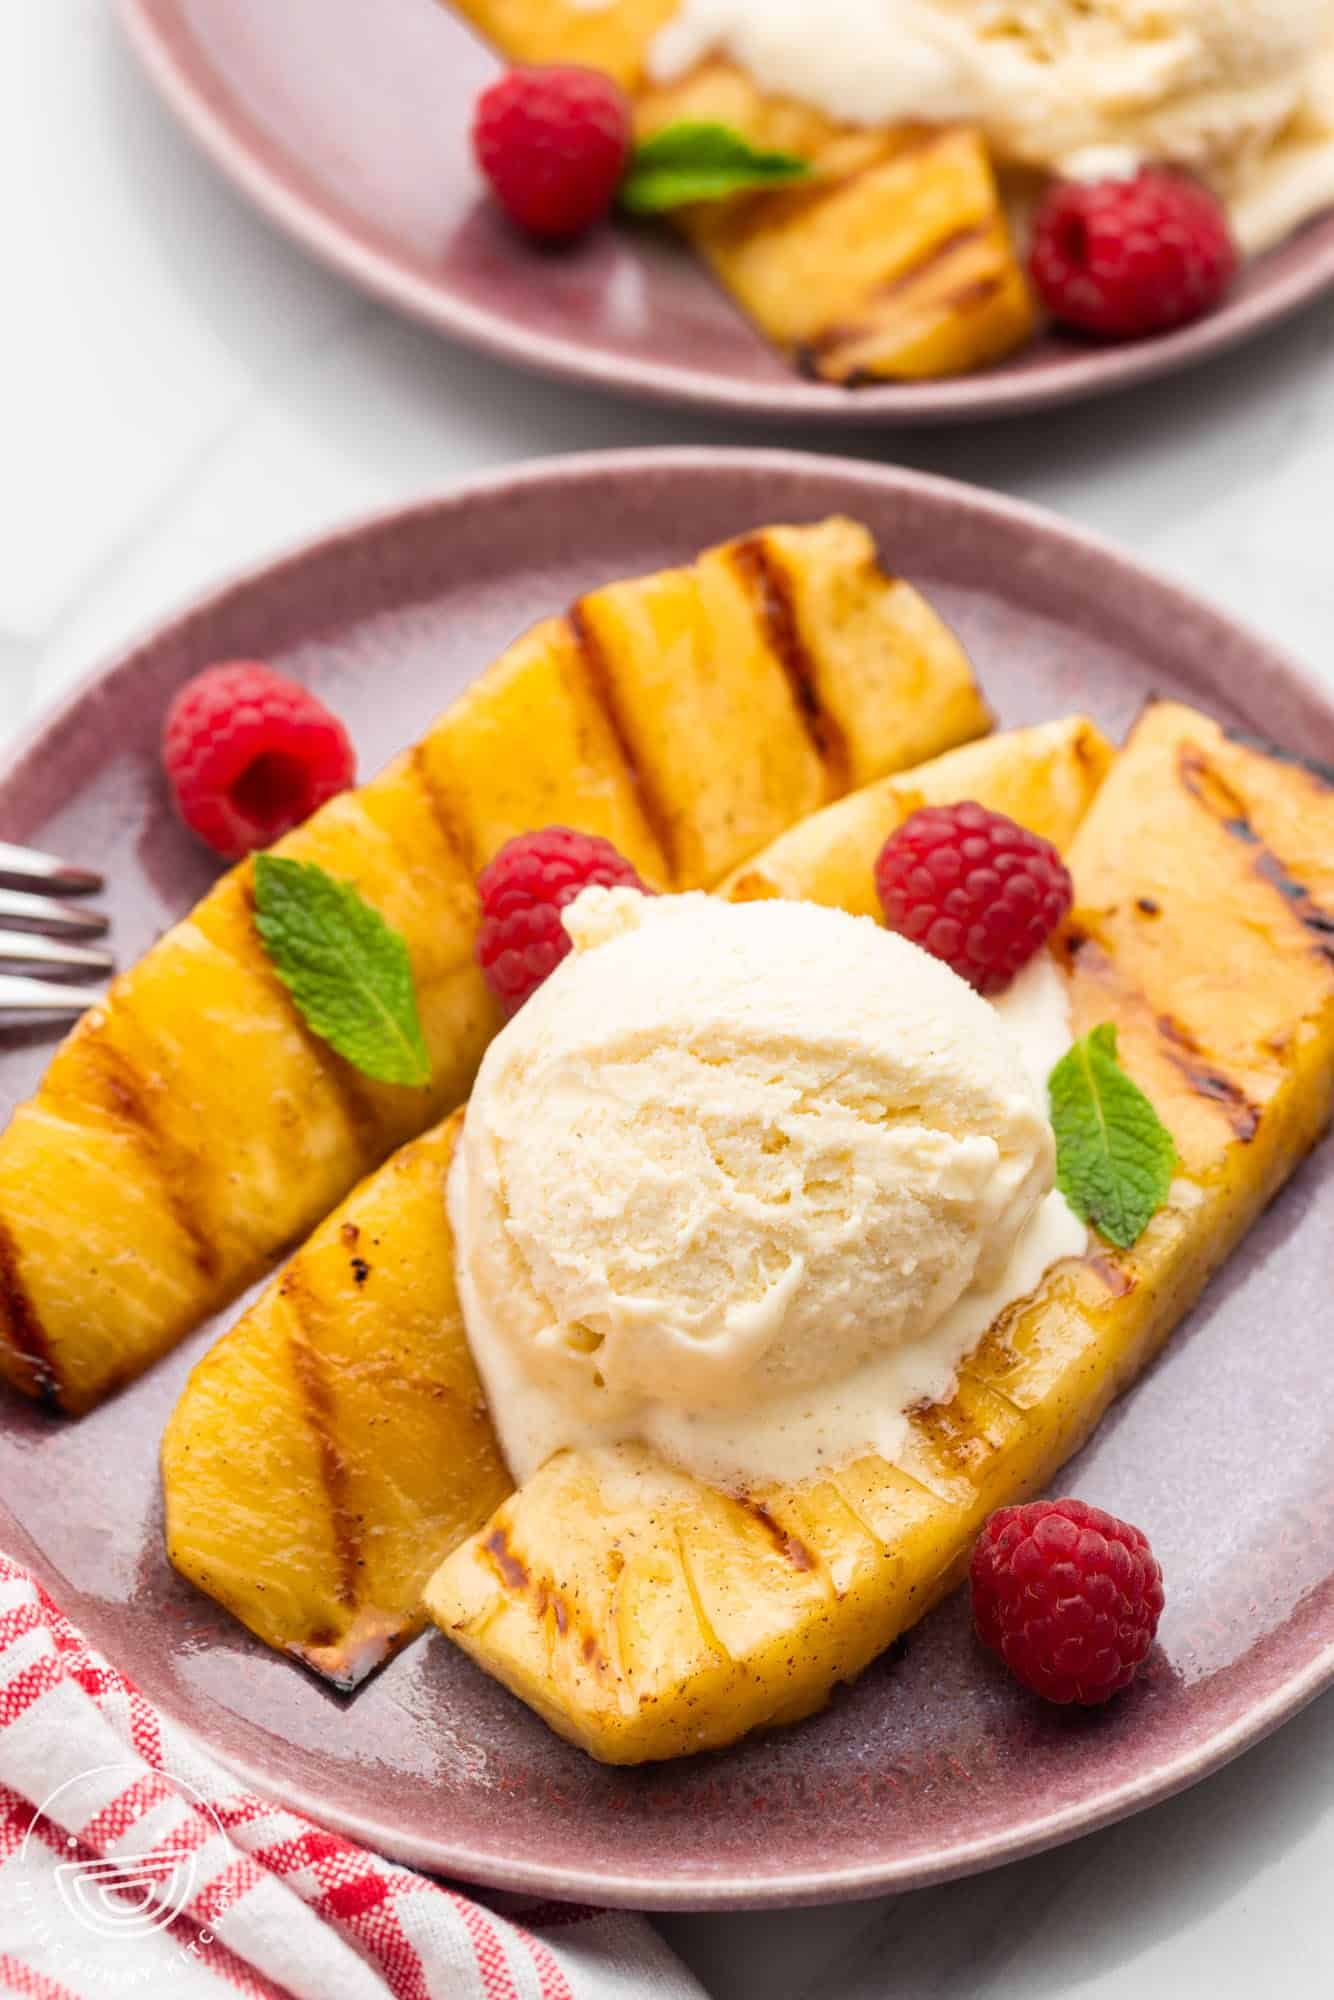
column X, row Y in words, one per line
column 1114, row 1156
column 346, row 968
column 694, row 161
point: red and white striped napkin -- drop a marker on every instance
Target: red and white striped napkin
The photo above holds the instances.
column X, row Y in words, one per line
column 131, row 1863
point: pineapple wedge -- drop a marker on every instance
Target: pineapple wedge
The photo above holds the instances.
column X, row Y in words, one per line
column 331, row 1449
column 191, row 1126
column 614, row 38
column 645, row 1615
column 332, row 1445
column 1044, row 777
column 895, row 262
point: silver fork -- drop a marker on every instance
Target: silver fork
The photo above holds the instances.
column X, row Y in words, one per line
column 46, row 933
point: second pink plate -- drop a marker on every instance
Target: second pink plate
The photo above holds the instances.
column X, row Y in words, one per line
column 347, row 122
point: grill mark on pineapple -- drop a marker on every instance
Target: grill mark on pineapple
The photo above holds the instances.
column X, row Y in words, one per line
column 452, row 829
column 127, row 1100
column 769, row 588
column 1206, row 1080
column 961, row 1447
column 1179, row 1046
column 545, row 1593
column 602, row 686
column 791, row 1547
column 1313, row 767
column 321, row 1420
column 1213, row 791
column 940, row 253
column 23, row 1326
column 824, row 346
column 511, row 1571
column 1319, row 922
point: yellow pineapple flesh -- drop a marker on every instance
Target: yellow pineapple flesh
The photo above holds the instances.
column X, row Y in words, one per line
column 251, row 1459
column 1046, row 777
column 336, row 1440
column 614, row 38
column 191, row 1128
column 894, row 261
column 1204, row 876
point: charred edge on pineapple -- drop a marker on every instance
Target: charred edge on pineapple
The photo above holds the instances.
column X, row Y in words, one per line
column 1119, row 1282
column 451, row 828
column 345, row 1661
column 767, row 583
column 321, row 1418
column 1213, row 791
column 22, row 1327
column 1322, row 773
column 995, row 1354
column 603, row 687
column 791, row 1547
column 958, row 1445
column 128, row 1104
column 361, row 1116
column 1205, row 1080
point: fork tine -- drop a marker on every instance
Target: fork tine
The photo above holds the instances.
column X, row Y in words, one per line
column 59, row 919
column 32, row 948
column 44, row 996
column 33, row 869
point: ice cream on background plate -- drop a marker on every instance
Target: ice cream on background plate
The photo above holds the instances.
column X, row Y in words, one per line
column 748, row 1181
column 1240, row 91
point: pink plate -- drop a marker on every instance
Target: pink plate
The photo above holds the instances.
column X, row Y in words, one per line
column 934, row 1764
column 347, row 120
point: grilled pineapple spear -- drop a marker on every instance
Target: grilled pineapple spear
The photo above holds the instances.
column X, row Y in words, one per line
column 894, row 261
column 645, row 1615
column 191, row 1127
column 333, row 1447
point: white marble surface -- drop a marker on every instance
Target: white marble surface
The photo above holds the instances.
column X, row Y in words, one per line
column 183, row 393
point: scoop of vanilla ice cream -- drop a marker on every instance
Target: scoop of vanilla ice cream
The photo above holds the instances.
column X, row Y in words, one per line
column 1234, row 89
column 728, row 1152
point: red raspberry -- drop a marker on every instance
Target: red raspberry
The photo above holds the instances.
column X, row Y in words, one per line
column 524, row 889
column 973, row 888
column 249, row 755
column 553, row 143
column 1135, row 256
column 1068, row 1596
